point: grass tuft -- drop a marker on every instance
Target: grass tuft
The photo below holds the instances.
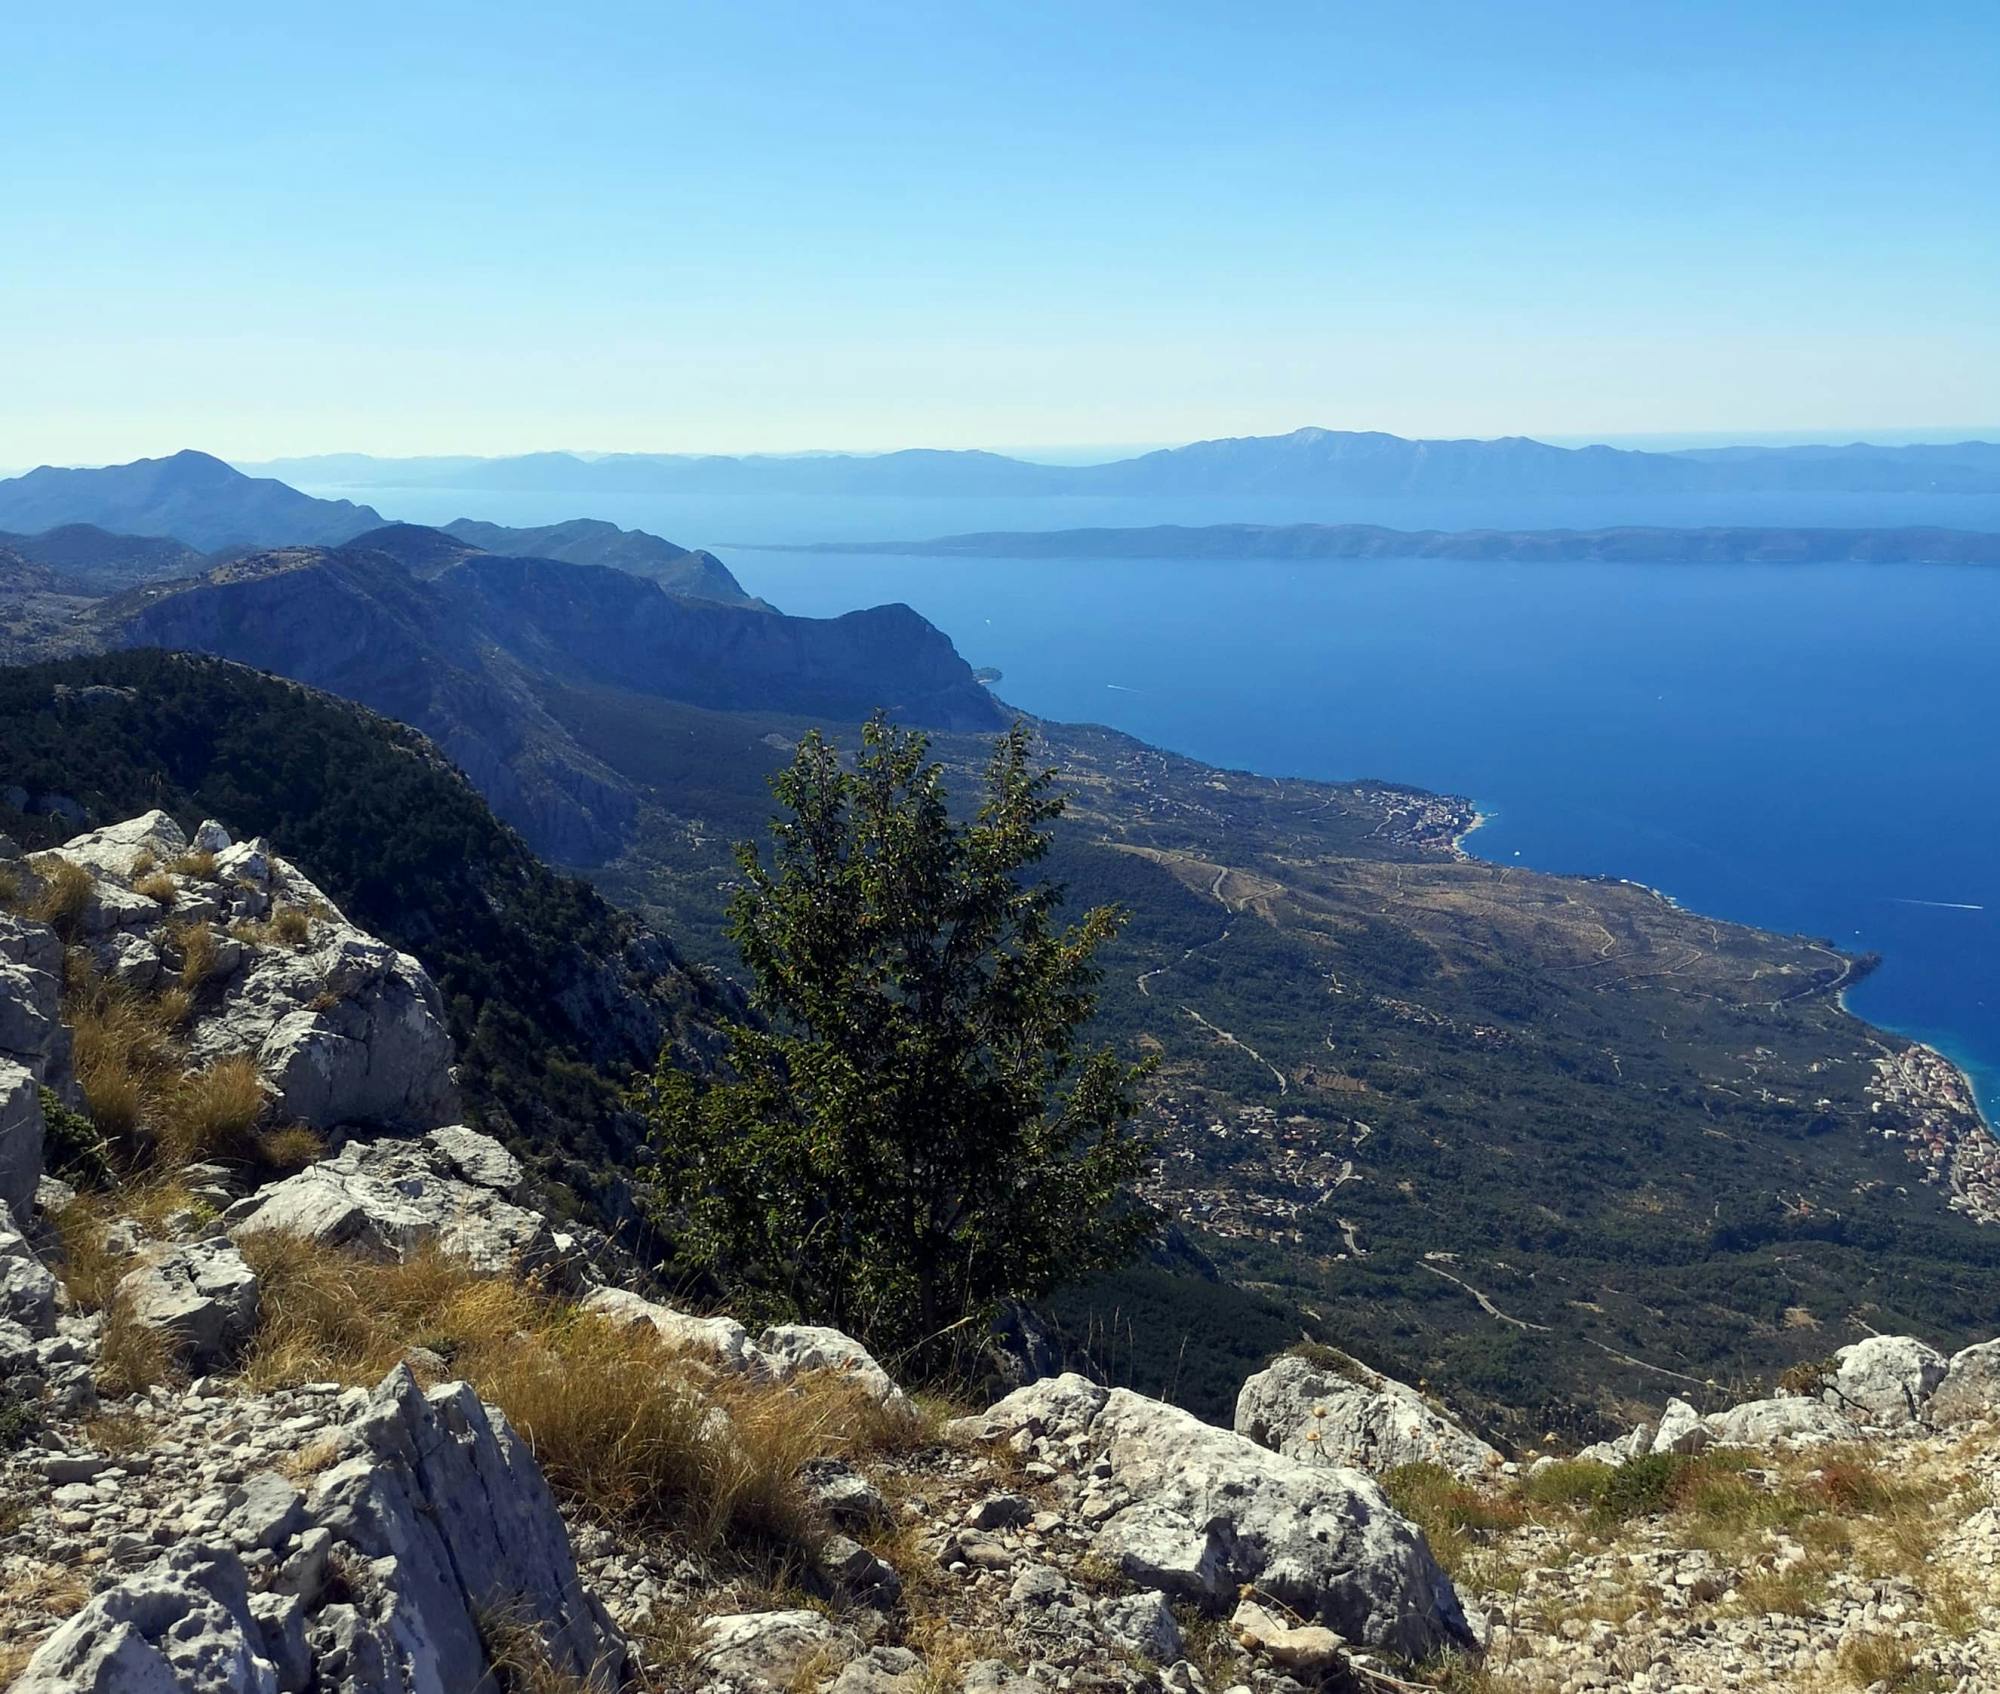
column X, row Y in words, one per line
column 158, row 887
column 64, row 897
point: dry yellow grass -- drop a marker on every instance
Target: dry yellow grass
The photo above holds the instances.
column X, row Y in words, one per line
column 196, row 863
column 616, row 1419
column 89, row 1270
column 157, row 887
column 132, row 1358
column 138, row 1084
column 64, row 896
column 290, row 1148
column 287, row 926
column 200, row 953
column 211, row 1111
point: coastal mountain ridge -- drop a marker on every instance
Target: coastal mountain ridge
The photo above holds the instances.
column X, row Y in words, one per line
column 112, row 527
column 470, row 647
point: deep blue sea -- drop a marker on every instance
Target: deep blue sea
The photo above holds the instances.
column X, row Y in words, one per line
column 1811, row 749
column 1808, row 750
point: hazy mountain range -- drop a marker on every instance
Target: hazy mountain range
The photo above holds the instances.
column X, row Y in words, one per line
column 1305, row 462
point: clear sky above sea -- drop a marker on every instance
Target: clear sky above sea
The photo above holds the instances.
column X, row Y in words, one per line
column 419, row 228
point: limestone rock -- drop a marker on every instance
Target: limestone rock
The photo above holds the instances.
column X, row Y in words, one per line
column 344, row 1028
column 1198, row 1512
column 771, row 1650
column 1681, row 1430
column 200, row 1295
column 22, row 1132
column 1787, row 1420
column 719, row 1341
column 183, row 1627
column 116, row 850
column 847, row 1497
column 1145, row 1624
column 1366, row 1420
column 1971, row 1386
column 389, row 1196
column 27, row 1289
column 1885, row 1381
column 809, row 1347
column 456, row 1524
column 1308, row 1648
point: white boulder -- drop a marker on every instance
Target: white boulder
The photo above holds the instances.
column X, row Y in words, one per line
column 1198, row 1512
column 1885, row 1381
column 200, row 1296
column 1971, row 1386
column 1354, row 1417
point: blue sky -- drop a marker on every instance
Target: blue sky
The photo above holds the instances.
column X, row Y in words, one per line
column 781, row 226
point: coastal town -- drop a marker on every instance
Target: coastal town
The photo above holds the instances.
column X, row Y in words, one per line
column 1923, row 1100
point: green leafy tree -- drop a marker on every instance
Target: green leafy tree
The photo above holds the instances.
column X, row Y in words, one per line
column 912, row 1135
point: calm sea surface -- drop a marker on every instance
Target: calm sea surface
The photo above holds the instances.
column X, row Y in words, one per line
column 1810, row 749
column 1814, row 750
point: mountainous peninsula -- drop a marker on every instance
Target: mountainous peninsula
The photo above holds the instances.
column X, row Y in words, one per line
column 1624, row 545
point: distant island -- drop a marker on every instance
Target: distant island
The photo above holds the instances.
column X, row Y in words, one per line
column 1305, row 462
column 1628, row 545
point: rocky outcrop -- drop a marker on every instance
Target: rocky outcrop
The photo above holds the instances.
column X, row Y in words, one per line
column 199, row 1297
column 1198, row 1512
column 1350, row 1415
column 34, row 1046
column 22, row 1133
column 184, row 1625
column 387, row 1197
column 344, row 1029
column 429, row 1530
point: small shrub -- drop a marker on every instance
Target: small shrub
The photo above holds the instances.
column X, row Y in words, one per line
column 198, row 864
column 18, row 1421
column 1640, row 1487
column 1810, row 1379
column 291, row 926
column 159, row 887
column 73, row 1146
column 10, row 887
column 64, row 897
column 144, row 863
column 1567, row 1482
